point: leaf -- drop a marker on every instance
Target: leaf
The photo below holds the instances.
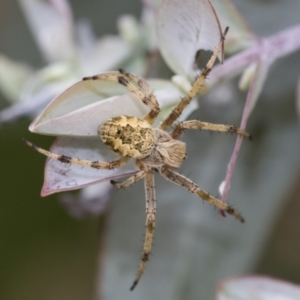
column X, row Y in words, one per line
column 257, row 287
column 239, row 36
column 84, row 106
column 183, row 28
column 79, row 110
column 64, row 177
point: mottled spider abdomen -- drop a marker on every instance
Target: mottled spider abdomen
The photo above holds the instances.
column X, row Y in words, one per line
column 128, row 136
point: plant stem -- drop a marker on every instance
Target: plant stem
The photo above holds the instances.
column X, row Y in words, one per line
column 267, row 50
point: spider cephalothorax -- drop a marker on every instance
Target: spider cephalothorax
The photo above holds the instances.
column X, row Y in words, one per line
column 154, row 148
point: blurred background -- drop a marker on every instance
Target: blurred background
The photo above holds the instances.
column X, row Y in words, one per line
column 47, row 254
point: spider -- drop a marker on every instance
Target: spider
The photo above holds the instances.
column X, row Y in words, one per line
column 154, row 148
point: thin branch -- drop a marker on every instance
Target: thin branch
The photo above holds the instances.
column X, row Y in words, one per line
column 267, row 50
column 264, row 52
column 239, row 140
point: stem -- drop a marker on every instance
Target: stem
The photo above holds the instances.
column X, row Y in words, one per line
column 239, row 140
column 267, row 50
column 264, row 52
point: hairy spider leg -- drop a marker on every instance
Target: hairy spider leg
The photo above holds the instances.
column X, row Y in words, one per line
column 76, row 161
column 193, row 188
column 195, row 124
column 142, row 91
column 176, row 112
column 129, row 181
column 150, row 225
column 150, row 214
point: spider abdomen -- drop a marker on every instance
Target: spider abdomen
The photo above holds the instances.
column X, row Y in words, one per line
column 128, row 136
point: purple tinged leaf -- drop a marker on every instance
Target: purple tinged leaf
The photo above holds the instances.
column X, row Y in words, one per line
column 79, row 110
column 84, row 106
column 85, row 121
column 65, row 177
column 257, row 287
column 183, row 28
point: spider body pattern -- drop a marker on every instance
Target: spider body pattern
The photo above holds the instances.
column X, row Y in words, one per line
column 128, row 136
column 153, row 148
column 133, row 137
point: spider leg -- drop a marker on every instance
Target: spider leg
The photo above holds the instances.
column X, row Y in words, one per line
column 75, row 161
column 195, row 124
column 176, row 112
column 148, row 97
column 142, row 84
column 137, row 86
column 126, row 183
column 150, row 225
column 194, row 189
